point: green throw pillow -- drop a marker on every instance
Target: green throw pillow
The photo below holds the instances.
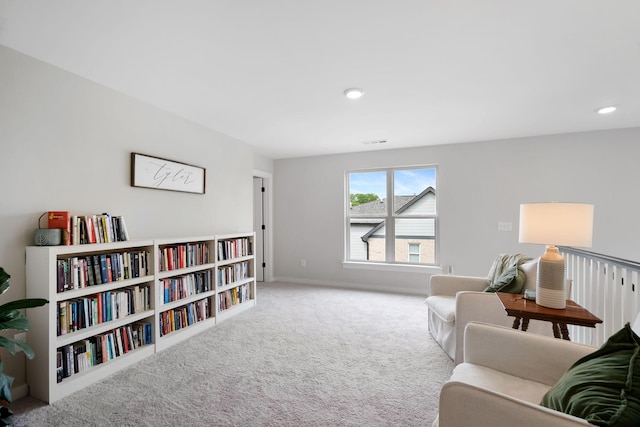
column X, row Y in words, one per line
column 511, row 281
column 604, row 386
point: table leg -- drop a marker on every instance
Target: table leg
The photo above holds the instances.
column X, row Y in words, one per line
column 525, row 323
column 556, row 329
column 565, row 331
column 516, row 323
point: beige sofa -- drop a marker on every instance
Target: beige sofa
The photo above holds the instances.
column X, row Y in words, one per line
column 503, row 378
column 454, row 301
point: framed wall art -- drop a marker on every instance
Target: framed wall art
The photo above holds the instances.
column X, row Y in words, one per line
column 163, row 174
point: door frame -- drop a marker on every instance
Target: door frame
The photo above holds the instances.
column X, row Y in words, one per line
column 267, row 209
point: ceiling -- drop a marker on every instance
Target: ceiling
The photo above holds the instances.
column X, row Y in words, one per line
column 272, row 73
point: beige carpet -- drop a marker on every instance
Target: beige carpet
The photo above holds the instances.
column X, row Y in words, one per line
column 305, row 356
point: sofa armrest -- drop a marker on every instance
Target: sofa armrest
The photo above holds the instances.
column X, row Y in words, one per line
column 482, row 307
column 441, row 284
column 463, row 404
column 526, row 355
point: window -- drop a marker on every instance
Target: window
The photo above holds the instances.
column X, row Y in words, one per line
column 391, row 216
column 414, row 252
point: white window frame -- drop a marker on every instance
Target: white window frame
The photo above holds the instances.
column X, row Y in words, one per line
column 389, row 218
column 409, row 252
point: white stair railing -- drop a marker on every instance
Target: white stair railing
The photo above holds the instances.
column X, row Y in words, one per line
column 607, row 287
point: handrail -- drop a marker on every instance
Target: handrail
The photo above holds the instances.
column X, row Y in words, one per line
column 600, row 257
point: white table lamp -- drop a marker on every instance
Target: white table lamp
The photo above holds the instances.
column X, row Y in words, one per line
column 565, row 224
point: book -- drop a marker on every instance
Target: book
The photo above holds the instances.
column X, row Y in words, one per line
column 61, row 220
column 123, row 229
column 68, row 360
column 101, row 233
column 98, row 345
column 75, row 273
column 88, row 260
column 107, row 227
column 86, row 311
column 88, row 359
column 62, row 317
column 61, row 280
column 104, row 275
column 59, row 367
column 97, row 269
column 75, row 230
column 96, row 229
column 101, row 314
column 89, row 230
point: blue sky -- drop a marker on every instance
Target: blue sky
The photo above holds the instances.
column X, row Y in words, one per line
column 406, row 182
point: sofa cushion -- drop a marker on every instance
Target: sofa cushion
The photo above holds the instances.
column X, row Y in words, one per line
column 604, row 386
column 444, row 306
column 511, row 281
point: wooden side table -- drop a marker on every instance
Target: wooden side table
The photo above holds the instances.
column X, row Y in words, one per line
column 524, row 310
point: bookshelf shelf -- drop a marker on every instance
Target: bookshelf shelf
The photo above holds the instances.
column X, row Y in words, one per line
column 52, row 273
column 96, row 289
column 184, row 301
column 233, row 311
column 180, row 335
column 234, row 260
column 102, row 328
column 183, row 271
column 99, row 372
column 234, row 284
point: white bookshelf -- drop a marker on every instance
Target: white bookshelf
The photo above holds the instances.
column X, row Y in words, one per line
column 238, row 292
column 43, row 337
column 242, row 278
column 170, row 312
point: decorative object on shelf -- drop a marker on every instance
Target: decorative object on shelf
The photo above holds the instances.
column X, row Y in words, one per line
column 11, row 318
column 163, row 174
column 51, row 236
column 566, row 224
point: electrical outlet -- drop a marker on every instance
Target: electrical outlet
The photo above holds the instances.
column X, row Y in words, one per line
column 22, row 336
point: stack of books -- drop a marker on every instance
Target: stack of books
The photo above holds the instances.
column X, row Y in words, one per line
column 85, row 229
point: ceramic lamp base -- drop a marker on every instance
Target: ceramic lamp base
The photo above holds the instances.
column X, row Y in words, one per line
column 550, row 285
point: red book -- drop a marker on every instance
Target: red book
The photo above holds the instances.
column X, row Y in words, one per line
column 60, row 219
column 100, row 318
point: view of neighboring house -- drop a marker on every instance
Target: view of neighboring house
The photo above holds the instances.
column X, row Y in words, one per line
column 415, row 238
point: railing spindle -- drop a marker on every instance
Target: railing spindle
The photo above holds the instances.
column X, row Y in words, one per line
column 607, row 286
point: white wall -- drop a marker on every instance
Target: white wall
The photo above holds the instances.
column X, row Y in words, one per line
column 65, row 144
column 479, row 184
column 262, row 163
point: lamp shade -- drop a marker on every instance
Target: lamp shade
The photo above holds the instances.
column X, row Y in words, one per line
column 565, row 224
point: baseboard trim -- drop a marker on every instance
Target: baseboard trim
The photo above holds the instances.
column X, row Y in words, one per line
column 421, row 290
column 19, row 392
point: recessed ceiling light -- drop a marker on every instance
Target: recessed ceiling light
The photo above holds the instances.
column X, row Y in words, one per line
column 606, row 110
column 353, row 93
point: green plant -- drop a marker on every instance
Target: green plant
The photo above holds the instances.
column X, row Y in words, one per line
column 11, row 318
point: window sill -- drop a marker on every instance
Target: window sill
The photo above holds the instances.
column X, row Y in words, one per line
column 406, row 268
